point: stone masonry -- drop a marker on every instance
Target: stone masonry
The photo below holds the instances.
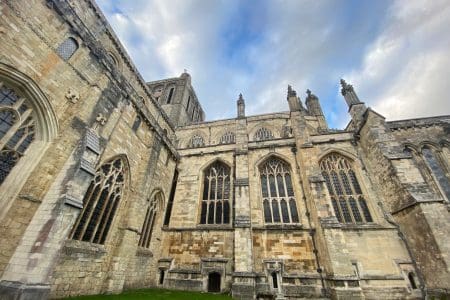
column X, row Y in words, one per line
column 273, row 206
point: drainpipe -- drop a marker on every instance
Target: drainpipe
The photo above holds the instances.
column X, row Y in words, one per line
column 312, row 231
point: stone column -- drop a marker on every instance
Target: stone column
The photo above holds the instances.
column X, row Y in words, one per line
column 243, row 277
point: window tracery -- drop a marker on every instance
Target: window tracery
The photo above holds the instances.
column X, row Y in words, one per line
column 100, row 203
column 228, row 138
column 263, row 134
column 147, row 228
column 215, row 204
column 17, row 129
column 346, row 194
column 279, row 204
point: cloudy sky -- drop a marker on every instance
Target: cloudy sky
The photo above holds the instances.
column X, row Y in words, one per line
column 395, row 53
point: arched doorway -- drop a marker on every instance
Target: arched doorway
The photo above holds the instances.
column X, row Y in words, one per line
column 214, row 282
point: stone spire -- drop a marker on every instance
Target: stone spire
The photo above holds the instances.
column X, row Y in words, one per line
column 293, row 100
column 313, row 105
column 349, row 94
column 241, row 107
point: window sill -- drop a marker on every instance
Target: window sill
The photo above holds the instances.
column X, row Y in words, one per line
column 144, row 252
column 280, row 226
column 75, row 247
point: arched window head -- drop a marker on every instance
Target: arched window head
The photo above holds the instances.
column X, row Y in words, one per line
column 278, row 197
column 100, row 203
column 155, row 205
column 17, row 129
column 437, row 169
column 228, row 138
column 216, row 204
column 197, row 141
column 67, row 48
column 137, row 123
column 263, row 134
column 347, row 198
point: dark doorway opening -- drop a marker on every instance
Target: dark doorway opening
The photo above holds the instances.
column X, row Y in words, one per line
column 161, row 276
column 411, row 280
column 214, row 282
column 274, row 280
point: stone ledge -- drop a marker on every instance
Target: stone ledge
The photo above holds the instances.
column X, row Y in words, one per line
column 279, row 227
column 74, row 246
column 144, row 252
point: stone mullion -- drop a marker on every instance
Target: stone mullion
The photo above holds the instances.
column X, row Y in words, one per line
column 144, row 227
column 13, row 129
column 149, row 229
column 88, row 197
column 22, row 139
column 103, row 217
column 288, row 198
column 94, row 204
column 105, row 204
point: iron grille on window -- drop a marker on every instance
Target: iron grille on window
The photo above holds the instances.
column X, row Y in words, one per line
column 67, row 48
column 227, row 138
column 215, row 206
column 17, row 129
column 278, row 197
column 197, row 141
column 263, row 134
column 147, row 227
column 100, row 203
column 347, row 199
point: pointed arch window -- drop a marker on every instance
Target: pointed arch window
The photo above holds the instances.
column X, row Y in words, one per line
column 197, row 141
column 279, row 204
column 263, row 134
column 437, row 169
column 155, row 203
column 216, row 205
column 17, row 129
column 100, row 203
column 348, row 201
column 67, row 48
column 228, row 138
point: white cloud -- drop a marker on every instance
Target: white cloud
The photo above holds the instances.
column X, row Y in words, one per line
column 405, row 72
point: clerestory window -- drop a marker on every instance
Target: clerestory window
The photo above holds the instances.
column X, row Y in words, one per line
column 17, row 129
column 437, row 169
column 263, row 134
column 197, row 141
column 215, row 204
column 100, row 203
column 347, row 197
column 67, row 48
column 278, row 197
column 228, row 138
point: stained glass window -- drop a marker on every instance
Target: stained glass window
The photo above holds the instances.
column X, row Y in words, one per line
column 227, row 138
column 344, row 189
column 437, row 169
column 17, row 129
column 197, row 141
column 215, row 206
column 276, row 185
column 100, row 203
column 155, row 203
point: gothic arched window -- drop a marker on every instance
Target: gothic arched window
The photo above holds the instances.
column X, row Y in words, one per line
column 137, row 123
column 216, row 205
column 278, row 197
column 437, row 169
column 67, row 48
column 100, row 203
column 346, row 194
column 155, row 204
column 228, row 138
column 197, row 141
column 263, row 134
column 17, row 129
